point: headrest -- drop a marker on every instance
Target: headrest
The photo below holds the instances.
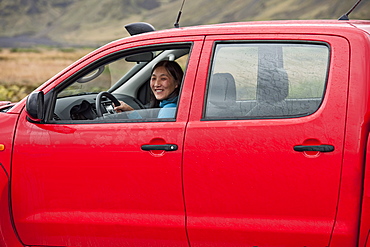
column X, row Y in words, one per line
column 222, row 90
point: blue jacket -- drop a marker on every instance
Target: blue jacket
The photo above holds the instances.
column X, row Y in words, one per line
column 168, row 108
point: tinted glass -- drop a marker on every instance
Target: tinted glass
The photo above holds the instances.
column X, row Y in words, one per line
column 266, row 80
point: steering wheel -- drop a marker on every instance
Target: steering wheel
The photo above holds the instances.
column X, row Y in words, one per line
column 99, row 99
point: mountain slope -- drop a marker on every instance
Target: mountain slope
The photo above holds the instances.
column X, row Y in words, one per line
column 94, row 22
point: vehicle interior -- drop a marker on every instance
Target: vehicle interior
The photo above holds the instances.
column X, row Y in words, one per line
column 119, row 77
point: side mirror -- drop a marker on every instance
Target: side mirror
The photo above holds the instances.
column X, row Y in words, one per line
column 35, row 106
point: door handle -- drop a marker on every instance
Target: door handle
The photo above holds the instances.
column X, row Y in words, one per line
column 164, row 147
column 314, row 148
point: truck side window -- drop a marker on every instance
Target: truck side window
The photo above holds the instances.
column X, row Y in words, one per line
column 266, row 80
column 124, row 78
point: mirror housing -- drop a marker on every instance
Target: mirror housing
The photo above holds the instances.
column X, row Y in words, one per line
column 35, row 106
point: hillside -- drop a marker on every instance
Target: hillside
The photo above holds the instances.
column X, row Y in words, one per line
column 94, row 22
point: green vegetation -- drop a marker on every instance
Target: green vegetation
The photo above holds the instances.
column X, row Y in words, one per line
column 14, row 92
column 21, row 49
column 67, row 49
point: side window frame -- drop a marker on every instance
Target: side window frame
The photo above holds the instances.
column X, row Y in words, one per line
column 259, row 42
column 107, row 59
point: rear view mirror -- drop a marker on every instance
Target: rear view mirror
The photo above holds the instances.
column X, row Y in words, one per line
column 92, row 75
column 142, row 57
column 35, row 106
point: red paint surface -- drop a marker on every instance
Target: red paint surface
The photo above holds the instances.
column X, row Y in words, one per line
column 230, row 183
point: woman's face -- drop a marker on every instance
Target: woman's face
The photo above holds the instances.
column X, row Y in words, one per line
column 162, row 83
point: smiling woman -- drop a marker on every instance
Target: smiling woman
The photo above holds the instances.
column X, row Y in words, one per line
column 165, row 83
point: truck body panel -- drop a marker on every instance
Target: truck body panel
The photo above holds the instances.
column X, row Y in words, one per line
column 242, row 173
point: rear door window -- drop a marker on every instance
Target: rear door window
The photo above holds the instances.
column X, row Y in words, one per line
column 266, row 80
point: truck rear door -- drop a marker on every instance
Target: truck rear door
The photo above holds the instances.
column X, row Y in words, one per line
column 264, row 144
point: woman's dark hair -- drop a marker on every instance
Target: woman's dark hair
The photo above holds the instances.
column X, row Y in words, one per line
column 174, row 69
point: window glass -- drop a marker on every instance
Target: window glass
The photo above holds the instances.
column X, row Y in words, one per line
column 126, row 78
column 266, row 80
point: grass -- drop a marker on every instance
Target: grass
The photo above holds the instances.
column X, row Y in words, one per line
column 23, row 70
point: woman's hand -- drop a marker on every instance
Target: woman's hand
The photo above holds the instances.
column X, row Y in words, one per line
column 123, row 107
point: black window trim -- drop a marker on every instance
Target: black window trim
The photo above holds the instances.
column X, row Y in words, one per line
column 52, row 94
column 267, row 41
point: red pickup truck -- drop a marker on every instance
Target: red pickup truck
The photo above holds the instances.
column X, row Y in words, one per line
column 268, row 144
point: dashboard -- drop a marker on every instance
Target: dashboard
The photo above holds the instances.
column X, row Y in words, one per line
column 83, row 107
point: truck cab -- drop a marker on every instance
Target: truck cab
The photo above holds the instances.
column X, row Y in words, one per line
column 267, row 145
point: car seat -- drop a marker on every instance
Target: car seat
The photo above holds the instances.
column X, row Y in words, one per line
column 221, row 99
